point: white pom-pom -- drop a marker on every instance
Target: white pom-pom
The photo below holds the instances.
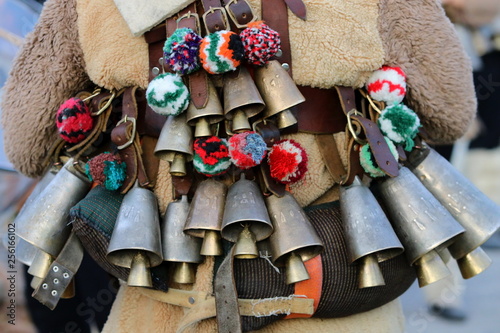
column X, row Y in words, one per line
column 388, row 84
column 167, row 95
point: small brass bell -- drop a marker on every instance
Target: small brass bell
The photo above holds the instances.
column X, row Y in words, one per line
column 246, row 245
column 430, row 268
column 136, row 239
column 241, row 99
column 478, row 214
column 175, row 144
column 209, row 114
column 369, row 234
column 294, row 238
column 279, row 92
column 245, row 216
column 44, row 222
column 420, row 221
column 204, row 219
column 178, row 247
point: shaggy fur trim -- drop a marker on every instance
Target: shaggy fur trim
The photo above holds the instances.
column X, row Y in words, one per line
column 114, row 58
column 322, row 55
column 48, row 70
column 421, row 40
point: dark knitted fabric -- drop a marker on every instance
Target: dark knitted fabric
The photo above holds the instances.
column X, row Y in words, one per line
column 93, row 220
column 340, row 294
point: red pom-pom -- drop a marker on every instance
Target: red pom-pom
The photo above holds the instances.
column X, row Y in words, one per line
column 388, row 84
column 287, row 161
column 260, row 43
column 74, row 120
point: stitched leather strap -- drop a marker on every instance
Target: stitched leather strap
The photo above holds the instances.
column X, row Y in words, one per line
column 331, row 157
column 226, row 297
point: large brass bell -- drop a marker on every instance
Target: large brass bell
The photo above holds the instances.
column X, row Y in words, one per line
column 369, row 234
column 279, row 93
column 421, row 223
column 136, row 241
column 245, row 219
column 210, row 113
column 175, row 144
column 204, row 219
column 294, row 239
column 181, row 249
column 44, row 222
column 241, row 99
column 478, row 214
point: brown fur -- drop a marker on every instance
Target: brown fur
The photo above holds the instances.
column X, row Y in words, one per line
column 421, row 40
column 48, row 70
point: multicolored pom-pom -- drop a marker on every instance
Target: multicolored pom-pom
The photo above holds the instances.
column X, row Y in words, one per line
column 260, row 42
column 211, row 156
column 400, row 124
column 181, row 51
column 247, row 149
column 74, row 120
column 388, row 84
column 106, row 169
column 368, row 162
column 168, row 95
column 287, row 161
column 221, row 52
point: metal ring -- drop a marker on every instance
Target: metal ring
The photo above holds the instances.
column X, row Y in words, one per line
column 108, row 103
column 132, row 136
column 354, row 133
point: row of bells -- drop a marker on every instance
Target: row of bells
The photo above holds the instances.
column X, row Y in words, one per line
column 271, row 91
column 428, row 209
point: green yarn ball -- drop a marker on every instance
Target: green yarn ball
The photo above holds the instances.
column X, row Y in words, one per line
column 367, row 160
column 400, row 124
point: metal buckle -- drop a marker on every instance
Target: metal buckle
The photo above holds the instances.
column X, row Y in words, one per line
column 188, row 15
column 132, row 137
column 233, row 17
column 350, row 125
column 212, row 11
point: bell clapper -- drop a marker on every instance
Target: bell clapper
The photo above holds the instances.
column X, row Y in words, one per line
column 295, row 269
column 140, row 275
column 246, row 245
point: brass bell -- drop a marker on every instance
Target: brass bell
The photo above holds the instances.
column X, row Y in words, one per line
column 478, row 214
column 241, row 98
column 293, row 236
column 179, row 247
column 430, row 268
column 245, row 212
column 204, row 219
column 369, row 234
column 209, row 114
column 136, row 240
column 278, row 91
column 420, row 221
column 175, row 144
column 44, row 222
column 70, row 290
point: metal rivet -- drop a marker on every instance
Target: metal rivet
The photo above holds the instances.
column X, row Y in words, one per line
column 53, row 292
column 155, row 71
column 55, row 269
column 56, row 281
column 279, row 53
column 191, row 300
column 285, row 65
column 45, row 286
column 66, row 275
column 160, row 61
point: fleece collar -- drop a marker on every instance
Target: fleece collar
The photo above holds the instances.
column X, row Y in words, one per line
column 141, row 15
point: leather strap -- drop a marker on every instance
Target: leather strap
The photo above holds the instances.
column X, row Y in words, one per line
column 215, row 19
column 354, row 167
column 331, row 157
column 226, row 297
column 274, row 13
column 241, row 12
column 298, row 8
column 60, row 273
column 379, row 148
column 125, row 136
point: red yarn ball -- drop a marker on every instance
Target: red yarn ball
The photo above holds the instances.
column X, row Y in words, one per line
column 287, row 161
column 74, row 120
column 260, row 43
column 247, row 149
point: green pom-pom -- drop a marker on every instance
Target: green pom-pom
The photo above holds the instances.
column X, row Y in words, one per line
column 115, row 173
column 400, row 124
column 367, row 160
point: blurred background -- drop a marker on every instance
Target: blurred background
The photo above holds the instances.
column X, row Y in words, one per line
column 453, row 306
